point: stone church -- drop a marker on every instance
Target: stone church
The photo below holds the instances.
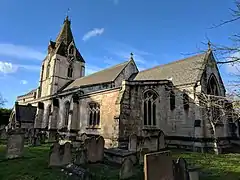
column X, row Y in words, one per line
column 120, row 101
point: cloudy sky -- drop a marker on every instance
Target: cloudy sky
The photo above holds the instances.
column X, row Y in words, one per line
column 106, row 31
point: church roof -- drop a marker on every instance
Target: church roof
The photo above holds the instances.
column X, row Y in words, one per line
column 104, row 76
column 63, row 40
column 180, row 72
column 65, row 34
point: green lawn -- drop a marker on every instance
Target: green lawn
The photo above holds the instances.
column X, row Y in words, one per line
column 213, row 167
column 35, row 166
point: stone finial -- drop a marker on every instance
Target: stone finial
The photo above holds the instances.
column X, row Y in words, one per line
column 209, row 45
column 131, row 55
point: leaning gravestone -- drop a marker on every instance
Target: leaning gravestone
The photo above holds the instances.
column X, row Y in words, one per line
column 126, row 170
column 158, row 166
column 55, row 157
column 15, row 144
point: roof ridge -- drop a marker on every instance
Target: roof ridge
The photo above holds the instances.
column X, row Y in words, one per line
column 104, row 69
column 174, row 62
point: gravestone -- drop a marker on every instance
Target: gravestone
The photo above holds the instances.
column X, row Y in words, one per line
column 15, row 144
column 83, row 137
column 126, row 170
column 161, row 141
column 91, row 146
column 181, row 169
column 158, row 166
column 132, row 145
column 100, row 148
column 81, row 157
column 67, row 155
column 55, row 157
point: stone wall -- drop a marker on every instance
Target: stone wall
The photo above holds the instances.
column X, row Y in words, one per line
column 131, row 104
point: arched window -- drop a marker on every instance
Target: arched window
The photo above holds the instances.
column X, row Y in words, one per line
column 172, row 100
column 71, row 50
column 66, row 114
column 212, row 87
column 70, row 71
column 149, row 107
column 94, row 114
column 185, row 101
column 47, row 70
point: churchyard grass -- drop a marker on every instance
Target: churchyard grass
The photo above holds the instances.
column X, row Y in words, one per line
column 213, row 167
column 34, row 166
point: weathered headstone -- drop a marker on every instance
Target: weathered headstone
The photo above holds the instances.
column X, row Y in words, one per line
column 181, row 169
column 83, row 137
column 147, row 143
column 67, row 155
column 161, row 141
column 100, row 148
column 126, row 170
column 55, row 157
column 81, row 157
column 15, row 144
column 158, row 166
column 132, row 145
column 91, row 146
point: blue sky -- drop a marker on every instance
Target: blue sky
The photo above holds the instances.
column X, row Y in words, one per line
column 106, row 31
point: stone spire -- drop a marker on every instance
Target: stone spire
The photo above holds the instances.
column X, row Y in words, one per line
column 65, row 34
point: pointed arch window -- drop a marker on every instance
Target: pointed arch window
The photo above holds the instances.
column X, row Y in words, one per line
column 212, row 87
column 66, row 113
column 149, row 107
column 47, row 70
column 172, row 100
column 94, row 114
column 71, row 50
column 70, row 71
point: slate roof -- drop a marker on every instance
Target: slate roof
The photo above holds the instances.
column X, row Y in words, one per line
column 29, row 93
column 63, row 40
column 104, row 76
column 25, row 113
column 180, row 72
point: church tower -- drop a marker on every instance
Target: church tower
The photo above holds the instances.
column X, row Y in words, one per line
column 63, row 63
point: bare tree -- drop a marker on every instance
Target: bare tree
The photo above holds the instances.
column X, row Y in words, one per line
column 2, row 101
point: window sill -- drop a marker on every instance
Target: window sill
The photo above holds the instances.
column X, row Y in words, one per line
column 93, row 127
column 150, row 128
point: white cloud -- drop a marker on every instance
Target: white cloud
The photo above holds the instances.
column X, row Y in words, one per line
column 23, row 82
column 19, row 51
column 6, row 67
column 93, row 33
